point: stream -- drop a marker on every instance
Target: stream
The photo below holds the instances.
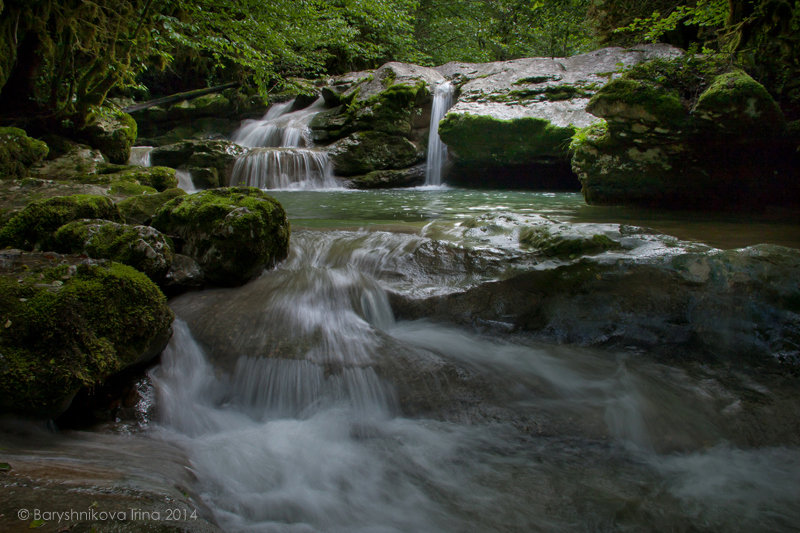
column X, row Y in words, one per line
column 303, row 404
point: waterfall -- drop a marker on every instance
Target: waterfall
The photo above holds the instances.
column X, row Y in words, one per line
column 437, row 150
column 283, row 157
column 140, row 156
column 282, row 168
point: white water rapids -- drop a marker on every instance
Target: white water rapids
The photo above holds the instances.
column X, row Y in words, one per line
column 303, row 405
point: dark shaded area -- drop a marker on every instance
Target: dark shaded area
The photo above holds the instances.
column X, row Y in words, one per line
column 556, row 176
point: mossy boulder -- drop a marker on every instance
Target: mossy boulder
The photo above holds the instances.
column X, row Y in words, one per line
column 484, row 139
column 112, row 131
column 158, row 178
column 18, row 153
column 365, row 151
column 70, row 322
column 232, row 233
column 142, row 247
column 33, row 227
column 140, row 209
column 68, row 159
column 210, row 161
column 685, row 133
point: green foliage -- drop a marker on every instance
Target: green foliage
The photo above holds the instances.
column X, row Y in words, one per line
column 705, row 14
column 479, row 30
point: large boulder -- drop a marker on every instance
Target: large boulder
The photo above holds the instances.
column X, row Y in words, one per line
column 142, row 247
column 18, row 153
column 387, row 179
column 365, row 151
column 69, row 322
column 232, row 233
column 512, row 117
column 140, row 209
column 33, row 227
column 112, row 131
column 684, row 133
column 722, row 304
column 209, row 161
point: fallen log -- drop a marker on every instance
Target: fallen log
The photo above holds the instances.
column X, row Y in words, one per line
column 188, row 95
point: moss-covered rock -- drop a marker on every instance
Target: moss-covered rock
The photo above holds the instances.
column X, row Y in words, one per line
column 158, row 178
column 233, row 233
column 142, row 247
column 112, row 131
column 18, row 152
column 69, row 323
column 68, row 159
column 365, row 151
column 33, row 227
column 140, row 209
column 685, row 133
column 484, row 139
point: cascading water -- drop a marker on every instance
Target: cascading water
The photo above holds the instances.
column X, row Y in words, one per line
column 303, row 405
column 437, row 150
column 283, row 157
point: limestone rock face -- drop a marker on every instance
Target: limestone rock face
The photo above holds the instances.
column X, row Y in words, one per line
column 684, row 133
column 520, row 114
column 71, row 322
column 232, row 233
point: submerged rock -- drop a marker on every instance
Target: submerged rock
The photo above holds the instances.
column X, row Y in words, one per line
column 18, row 153
column 724, row 304
column 70, row 322
column 685, row 133
column 232, row 233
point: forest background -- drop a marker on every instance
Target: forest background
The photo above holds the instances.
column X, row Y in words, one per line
column 60, row 59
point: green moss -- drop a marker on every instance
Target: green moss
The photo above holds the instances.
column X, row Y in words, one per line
column 72, row 326
column 233, row 233
column 32, row 228
column 564, row 246
column 18, row 152
column 139, row 209
column 159, row 178
column 484, row 139
column 129, row 188
column 389, row 111
column 588, row 135
column 112, row 131
column 537, row 79
column 737, row 105
column 141, row 247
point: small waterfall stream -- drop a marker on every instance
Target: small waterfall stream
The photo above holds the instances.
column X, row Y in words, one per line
column 140, row 157
column 437, row 150
column 282, row 155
